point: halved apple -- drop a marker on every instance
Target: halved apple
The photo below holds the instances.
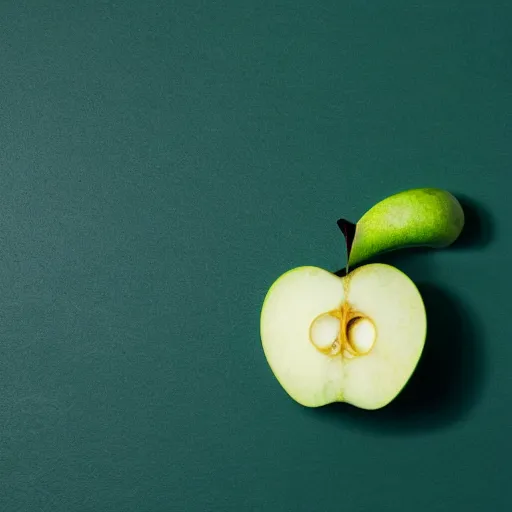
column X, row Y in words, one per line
column 354, row 339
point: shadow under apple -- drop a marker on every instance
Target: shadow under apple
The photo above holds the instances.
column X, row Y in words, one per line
column 479, row 226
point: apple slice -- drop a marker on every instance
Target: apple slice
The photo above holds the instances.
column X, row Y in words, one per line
column 354, row 339
column 428, row 217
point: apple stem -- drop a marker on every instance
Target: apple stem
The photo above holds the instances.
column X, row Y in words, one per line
column 349, row 231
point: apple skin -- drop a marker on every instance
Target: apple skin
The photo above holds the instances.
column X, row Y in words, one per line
column 428, row 217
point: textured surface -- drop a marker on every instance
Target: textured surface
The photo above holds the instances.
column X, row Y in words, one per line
column 161, row 163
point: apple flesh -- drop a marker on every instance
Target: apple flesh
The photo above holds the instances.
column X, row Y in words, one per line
column 354, row 339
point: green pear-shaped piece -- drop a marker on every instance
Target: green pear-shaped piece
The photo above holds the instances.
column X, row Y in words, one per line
column 426, row 217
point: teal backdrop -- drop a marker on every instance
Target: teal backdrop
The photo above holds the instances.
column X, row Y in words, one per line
column 161, row 164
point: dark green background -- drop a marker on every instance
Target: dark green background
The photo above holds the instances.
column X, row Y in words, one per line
column 161, row 164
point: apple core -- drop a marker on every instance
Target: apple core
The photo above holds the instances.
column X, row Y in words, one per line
column 343, row 331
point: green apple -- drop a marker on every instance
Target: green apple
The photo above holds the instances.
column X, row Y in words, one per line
column 427, row 217
column 354, row 339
